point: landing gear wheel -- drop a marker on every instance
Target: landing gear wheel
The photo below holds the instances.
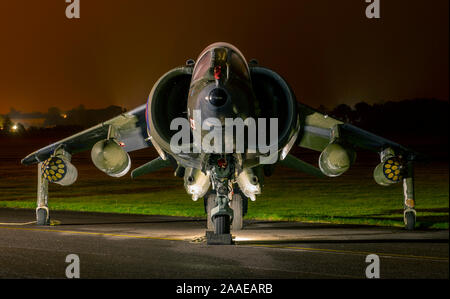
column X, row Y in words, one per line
column 210, row 204
column 237, row 204
column 410, row 220
column 42, row 217
column 222, row 224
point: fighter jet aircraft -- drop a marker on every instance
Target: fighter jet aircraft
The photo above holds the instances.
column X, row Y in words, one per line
column 220, row 86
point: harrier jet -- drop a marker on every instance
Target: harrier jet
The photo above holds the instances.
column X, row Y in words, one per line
column 201, row 97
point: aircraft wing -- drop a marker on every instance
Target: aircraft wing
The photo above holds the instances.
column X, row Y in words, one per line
column 319, row 130
column 130, row 128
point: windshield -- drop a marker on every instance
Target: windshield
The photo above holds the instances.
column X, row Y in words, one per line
column 219, row 63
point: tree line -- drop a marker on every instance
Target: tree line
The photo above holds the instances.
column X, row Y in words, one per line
column 408, row 117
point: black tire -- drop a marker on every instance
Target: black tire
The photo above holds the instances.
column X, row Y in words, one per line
column 222, row 225
column 244, row 205
column 410, row 220
column 244, row 200
column 237, row 204
column 210, row 204
column 41, row 217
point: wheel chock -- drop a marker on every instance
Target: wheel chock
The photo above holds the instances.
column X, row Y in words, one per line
column 218, row 239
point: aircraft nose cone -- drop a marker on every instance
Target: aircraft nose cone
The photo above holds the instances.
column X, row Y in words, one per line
column 218, row 97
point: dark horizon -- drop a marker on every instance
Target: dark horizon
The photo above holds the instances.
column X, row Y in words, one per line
column 424, row 117
column 328, row 51
column 13, row 112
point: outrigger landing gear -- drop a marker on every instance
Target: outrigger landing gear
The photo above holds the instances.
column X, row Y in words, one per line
column 42, row 211
column 409, row 213
column 394, row 169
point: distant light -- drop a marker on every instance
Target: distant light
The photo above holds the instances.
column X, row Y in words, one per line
column 64, row 115
column 14, row 128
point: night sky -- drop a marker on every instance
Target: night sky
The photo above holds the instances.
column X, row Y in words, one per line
column 328, row 51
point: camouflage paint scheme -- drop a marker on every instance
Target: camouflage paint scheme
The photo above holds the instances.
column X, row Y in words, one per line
column 222, row 84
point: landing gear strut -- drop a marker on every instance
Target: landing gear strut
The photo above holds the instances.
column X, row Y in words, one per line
column 409, row 213
column 42, row 212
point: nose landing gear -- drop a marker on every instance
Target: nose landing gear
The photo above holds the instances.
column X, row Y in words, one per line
column 221, row 215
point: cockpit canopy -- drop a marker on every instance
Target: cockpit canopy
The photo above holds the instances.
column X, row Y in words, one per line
column 220, row 61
